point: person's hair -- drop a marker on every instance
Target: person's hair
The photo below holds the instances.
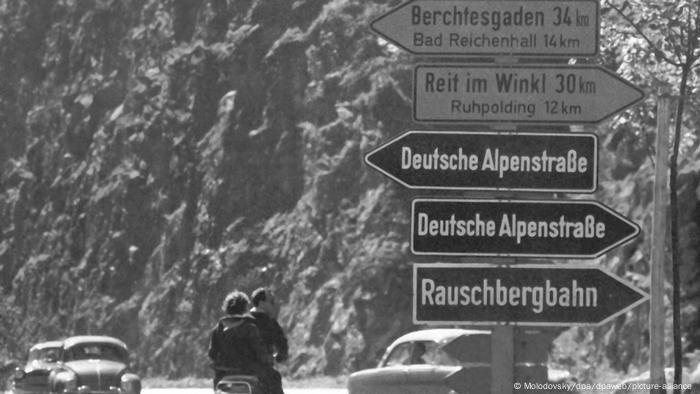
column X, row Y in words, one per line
column 260, row 294
column 235, row 303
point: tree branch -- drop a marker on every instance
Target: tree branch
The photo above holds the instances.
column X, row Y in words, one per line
column 658, row 52
column 688, row 36
column 694, row 35
column 697, row 20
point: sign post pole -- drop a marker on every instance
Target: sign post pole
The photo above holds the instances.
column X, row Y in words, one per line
column 657, row 315
column 503, row 336
column 502, row 359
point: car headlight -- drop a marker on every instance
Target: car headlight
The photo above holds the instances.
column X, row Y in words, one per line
column 130, row 383
column 66, row 380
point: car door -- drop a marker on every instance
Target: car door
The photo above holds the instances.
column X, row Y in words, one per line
column 426, row 372
column 388, row 378
column 391, row 378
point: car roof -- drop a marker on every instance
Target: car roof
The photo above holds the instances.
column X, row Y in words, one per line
column 47, row 344
column 72, row 341
column 438, row 335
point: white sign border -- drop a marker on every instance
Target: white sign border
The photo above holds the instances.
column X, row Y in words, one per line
column 533, row 255
column 592, row 189
column 414, row 93
column 416, row 266
column 518, row 54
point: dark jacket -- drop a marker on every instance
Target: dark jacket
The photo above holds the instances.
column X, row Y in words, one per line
column 235, row 342
column 272, row 334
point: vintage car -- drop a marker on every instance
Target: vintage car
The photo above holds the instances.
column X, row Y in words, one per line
column 418, row 363
column 34, row 376
column 444, row 361
column 81, row 364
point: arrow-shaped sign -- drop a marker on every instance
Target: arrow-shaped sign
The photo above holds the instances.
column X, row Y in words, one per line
column 524, row 295
column 486, row 27
column 526, row 228
column 543, row 94
column 465, row 379
column 556, row 162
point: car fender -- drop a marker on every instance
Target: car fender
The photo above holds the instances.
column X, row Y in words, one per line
column 134, row 380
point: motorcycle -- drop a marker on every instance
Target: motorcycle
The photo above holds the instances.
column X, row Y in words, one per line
column 237, row 383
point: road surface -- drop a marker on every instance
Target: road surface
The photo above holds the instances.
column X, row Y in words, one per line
column 210, row 391
column 310, row 390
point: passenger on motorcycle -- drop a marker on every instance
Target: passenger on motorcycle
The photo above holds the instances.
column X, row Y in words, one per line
column 265, row 311
column 235, row 345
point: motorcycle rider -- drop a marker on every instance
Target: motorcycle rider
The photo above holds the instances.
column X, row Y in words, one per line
column 265, row 311
column 235, row 344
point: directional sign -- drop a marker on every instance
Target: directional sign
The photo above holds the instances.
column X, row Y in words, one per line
column 519, row 93
column 547, row 295
column 565, row 162
column 488, row 27
column 527, row 228
column 465, row 379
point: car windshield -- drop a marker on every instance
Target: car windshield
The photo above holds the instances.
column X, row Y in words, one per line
column 96, row 351
column 419, row 352
column 47, row 354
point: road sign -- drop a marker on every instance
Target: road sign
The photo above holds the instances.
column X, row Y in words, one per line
column 465, row 379
column 526, row 228
column 564, row 162
column 542, row 94
column 486, row 27
column 538, row 295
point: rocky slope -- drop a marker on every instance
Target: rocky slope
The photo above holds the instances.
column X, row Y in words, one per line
column 157, row 154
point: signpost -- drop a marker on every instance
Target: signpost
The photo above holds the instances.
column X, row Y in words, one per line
column 555, row 162
column 526, row 228
column 507, row 95
column 542, row 94
column 523, row 295
column 485, row 27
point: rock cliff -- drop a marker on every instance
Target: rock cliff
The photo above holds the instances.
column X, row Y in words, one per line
column 157, row 154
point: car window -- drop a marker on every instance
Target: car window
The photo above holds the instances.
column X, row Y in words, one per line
column 96, row 351
column 439, row 357
column 429, row 353
column 48, row 354
column 420, row 352
column 399, row 355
